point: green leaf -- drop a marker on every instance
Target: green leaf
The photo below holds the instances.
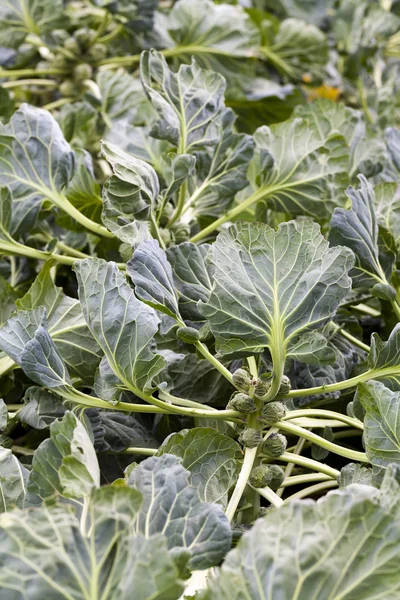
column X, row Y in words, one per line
column 152, row 275
column 381, row 429
column 128, row 195
column 271, row 286
column 173, row 507
column 8, row 297
column 123, row 98
column 13, row 477
column 211, row 459
column 192, row 276
column 189, row 103
column 19, row 330
column 65, row 464
column 221, row 37
column 384, row 358
column 20, row 17
column 300, row 169
column 356, row 473
column 114, row 431
column 35, row 162
column 388, row 208
column 78, row 122
column 358, row 229
column 65, row 324
column 123, row 326
column 312, row 348
column 41, row 408
column 346, row 545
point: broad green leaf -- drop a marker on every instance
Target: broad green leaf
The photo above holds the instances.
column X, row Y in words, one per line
column 211, row 458
column 221, row 37
column 381, row 428
column 272, row 286
column 151, row 273
column 384, row 358
column 189, row 103
column 182, row 167
column 192, row 276
column 298, row 48
column 387, row 200
column 345, row 545
column 8, row 296
column 20, row 17
column 65, row 464
column 78, row 121
column 123, row 99
column 313, row 11
column 41, row 408
column 221, row 170
column 13, row 477
column 114, row 431
column 47, row 553
column 356, row 473
column 128, row 195
column 19, row 330
column 312, row 348
column 299, row 169
column 357, row 228
column 65, row 324
column 3, row 415
column 173, row 507
column 123, row 326
column 35, row 162
column 392, row 137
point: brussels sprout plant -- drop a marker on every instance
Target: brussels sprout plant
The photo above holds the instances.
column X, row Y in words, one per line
column 199, row 300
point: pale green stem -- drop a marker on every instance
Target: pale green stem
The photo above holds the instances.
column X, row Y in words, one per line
column 312, row 489
column 323, row 443
column 351, row 338
column 320, row 412
column 29, row 72
column 180, row 205
column 309, row 463
column 310, row 423
column 183, row 402
column 300, row 479
column 141, row 451
column 202, row 348
column 364, row 308
column 290, row 466
column 58, row 103
column 21, row 82
column 269, row 495
column 248, row 462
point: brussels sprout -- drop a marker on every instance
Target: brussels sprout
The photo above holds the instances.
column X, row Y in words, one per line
column 243, row 403
column 273, row 411
column 68, row 88
column 82, row 72
column 267, row 475
column 59, row 61
column 241, row 380
column 190, row 335
column 181, row 232
column 72, row 45
column 166, row 236
column 275, row 445
column 85, row 36
column 166, row 214
column 97, row 52
column 285, row 386
column 59, row 35
column 250, row 438
column 262, row 386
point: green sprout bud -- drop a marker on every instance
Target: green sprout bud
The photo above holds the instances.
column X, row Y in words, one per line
column 59, row 35
column 97, row 52
column 181, row 232
column 59, row 61
column 241, row 380
column 190, row 335
column 243, row 403
column 82, row 72
column 273, row 412
column 72, row 45
column 250, row 438
column 166, row 214
column 262, row 386
column 285, row 386
column 85, row 36
column 68, row 88
column 267, row 475
column 275, row 445
column 166, row 236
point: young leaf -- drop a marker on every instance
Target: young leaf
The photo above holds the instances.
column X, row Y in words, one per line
column 173, row 507
column 128, row 195
column 13, row 477
column 35, row 162
column 382, row 432
column 384, row 358
column 189, row 103
column 315, row 537
column 312, row 348
column 358, row 229
column 65, row 464
column 272, row 286
column 211, row 459
column 123, row 326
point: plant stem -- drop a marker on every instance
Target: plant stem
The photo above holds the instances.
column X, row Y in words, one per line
column 183, row 402
column 29, row 72
column 248, row 462
column 312, row 489
column 21, row 82
column 320, row 412
column 309, row 463
column 180, row 205
column 290, row 466
column 202, row 348
column 141, row 451
column 351, row 338
column 308, row 478
column 364, row 308
column 319, row 441
column 269, row 495
column 57, row 103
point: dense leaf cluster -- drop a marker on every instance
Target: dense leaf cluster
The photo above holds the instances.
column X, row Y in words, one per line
column 199, row 299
